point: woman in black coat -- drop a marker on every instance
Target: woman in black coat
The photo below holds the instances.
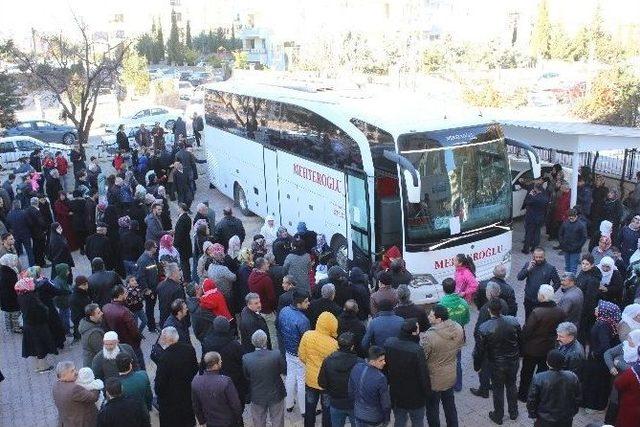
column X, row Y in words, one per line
column 220, row 338
column 47, row 292
column 58, row 252
column 588, row 281
column 8, row 297
column 37, row 340
column 611, row 284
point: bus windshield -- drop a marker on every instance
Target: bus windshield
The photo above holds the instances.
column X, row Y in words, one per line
column 465, row 184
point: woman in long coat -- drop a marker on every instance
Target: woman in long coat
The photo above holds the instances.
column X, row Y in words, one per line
column 59, row 251
column 8, row 297
column 36, row 336
column 63, row 214
column 604, row 335
column 628, row 386
column 47, row 292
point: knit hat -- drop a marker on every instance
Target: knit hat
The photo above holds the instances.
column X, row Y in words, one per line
column 87, row 379
column 110, row 336
column 206, row 245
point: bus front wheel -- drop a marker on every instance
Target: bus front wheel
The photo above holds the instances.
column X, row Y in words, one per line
column 240, row 198
column 339, row 248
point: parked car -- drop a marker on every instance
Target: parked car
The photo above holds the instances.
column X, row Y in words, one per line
column 109, row 145
column 201, row 77
column 44, row 131
column 185, row 90
column 13, row 148
column 147, row 116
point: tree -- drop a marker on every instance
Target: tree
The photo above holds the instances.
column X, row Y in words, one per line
column 612, row 99
column 540, row 39
column 135, row 74
column 146, row 48
column 159, row 48
column 10, row 99
column 174, row 46
column 74, row 72
column 188, row 36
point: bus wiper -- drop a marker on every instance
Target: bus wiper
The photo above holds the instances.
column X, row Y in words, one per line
column 466, row 234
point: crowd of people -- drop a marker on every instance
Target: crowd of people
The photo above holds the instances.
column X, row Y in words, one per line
column 278, row 305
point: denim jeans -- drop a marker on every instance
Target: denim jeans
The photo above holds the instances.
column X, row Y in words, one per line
column 142, row 316
column 339, row 417
column 448, row 404
column 65, row 316
column 403, row 415
column 571, row 261
column 458, row 384
column 312, row 395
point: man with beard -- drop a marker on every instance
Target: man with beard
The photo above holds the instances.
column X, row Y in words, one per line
column 537, row 272
column 91, row 332
column 38, row 230
column 104, row 363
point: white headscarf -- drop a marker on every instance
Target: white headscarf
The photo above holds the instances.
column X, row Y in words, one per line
column 606, row 275
column 606, row 228
column 628, row 315
column 270, row 233
column 630, row 352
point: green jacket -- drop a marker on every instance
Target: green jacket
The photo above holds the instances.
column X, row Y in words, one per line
column 136, row 384
column 457, row 307
column 61, row 282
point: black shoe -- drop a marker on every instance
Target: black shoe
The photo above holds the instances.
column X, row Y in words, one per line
column 290, row 409
column 493, row 417
column 479, row 393
column 513, row 416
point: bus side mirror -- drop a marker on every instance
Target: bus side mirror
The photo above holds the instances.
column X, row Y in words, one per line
column 413, row 191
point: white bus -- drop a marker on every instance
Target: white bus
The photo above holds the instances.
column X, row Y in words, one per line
column 367, row 174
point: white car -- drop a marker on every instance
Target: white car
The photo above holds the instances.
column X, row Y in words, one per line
column 185, row 90
column 13, row 148
column 147, row 116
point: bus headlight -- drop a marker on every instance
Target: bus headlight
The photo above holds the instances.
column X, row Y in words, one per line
column 423, row 280
column 506, row 258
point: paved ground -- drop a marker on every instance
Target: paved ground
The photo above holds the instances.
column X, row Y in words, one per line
column 25, row 397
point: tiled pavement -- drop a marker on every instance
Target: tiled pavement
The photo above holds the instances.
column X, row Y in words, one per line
column 25, row 397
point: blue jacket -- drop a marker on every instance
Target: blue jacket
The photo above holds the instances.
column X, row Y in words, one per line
column 292, row 324
column 536, row 206
column 584, row 197
column 18, row 224
column 370, row 393
column 385, row 325
column 628, row 241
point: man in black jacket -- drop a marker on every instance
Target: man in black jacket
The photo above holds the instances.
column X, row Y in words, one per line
column 102, row 282
column 38, row 229
column 98, row 246
column 182, row 182
column 228, row 227
column 537, row 272
column 170, row 290
column 349, row 321
column 251, row 321
column 498, row 339
column 554, row 395
column 147, row 276
column 570, row 348
column 506, row 290
column 334, row 378
column 572, row 237
column 325, row 303
column 407, row 374
column 121, row 411
column 198, row 126
column 182, row 239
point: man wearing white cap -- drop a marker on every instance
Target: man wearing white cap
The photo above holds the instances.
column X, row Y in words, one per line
column 104, row 363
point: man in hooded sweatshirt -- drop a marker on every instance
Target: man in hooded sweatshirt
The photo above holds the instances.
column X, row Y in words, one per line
column 315, row 346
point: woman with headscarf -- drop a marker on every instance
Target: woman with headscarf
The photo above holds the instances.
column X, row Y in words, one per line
column 220, row 273
column 165, row 216
column 611, row 281
column 53, row 187
column 58, row 252
column 37, row 340
column 241, row 287
column 234, row 247
column 9, row 269
column 307, row 236
column 604, row 229
column 270, row 231
column 258, row 246
column 167, row 252
column 619, row 359
column 61, row 282
column 213, row 300
column 63, row 213
column 389, row 255
column 630, row 320
column 627, row 385
column 47, row 292
column 200, row 237
column 588, row 280
column 603, row 336
column 560, row 211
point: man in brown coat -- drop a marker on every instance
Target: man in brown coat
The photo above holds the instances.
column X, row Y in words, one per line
column 76, row 405
column 441, row 343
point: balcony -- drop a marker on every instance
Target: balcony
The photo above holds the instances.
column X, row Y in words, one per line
column 252, row 33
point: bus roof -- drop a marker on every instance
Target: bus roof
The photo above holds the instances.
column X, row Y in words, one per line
column 393, row 112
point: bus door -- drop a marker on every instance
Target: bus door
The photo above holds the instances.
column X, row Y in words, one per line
column 271, row 183
column 359, row 218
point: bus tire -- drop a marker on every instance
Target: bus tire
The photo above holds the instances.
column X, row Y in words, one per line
column 340, row 249
column 240, row 199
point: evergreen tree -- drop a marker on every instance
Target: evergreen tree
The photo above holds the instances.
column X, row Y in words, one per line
column 174, row 47
column 159, row 44
column 10, row 100
column 188, row 36
column 541, row 37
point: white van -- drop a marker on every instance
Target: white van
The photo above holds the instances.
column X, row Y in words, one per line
column 13, row 148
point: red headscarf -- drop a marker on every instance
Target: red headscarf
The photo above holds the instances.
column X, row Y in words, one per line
column 166, row 241
column 213, row 300
column 391, row 253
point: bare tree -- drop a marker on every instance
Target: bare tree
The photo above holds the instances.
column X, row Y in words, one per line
column 74, row 71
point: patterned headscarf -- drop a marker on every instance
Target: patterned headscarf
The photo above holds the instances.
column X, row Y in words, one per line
column 166, row 241
column 124, row 222
column 609, row 313
column 24, row 285
column 217, row 252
